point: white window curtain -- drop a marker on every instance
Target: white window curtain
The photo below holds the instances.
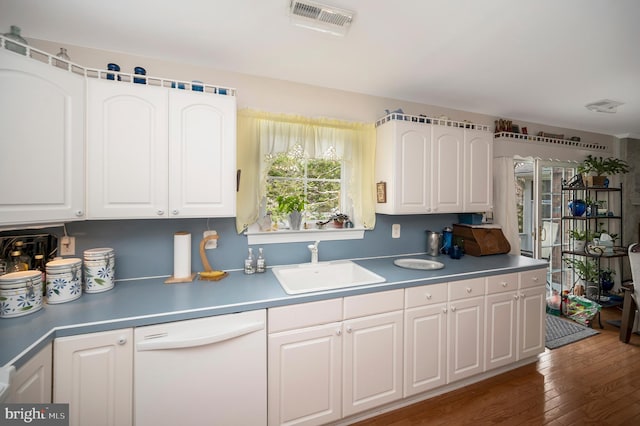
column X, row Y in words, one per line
column 262, row 134
column 504, row 200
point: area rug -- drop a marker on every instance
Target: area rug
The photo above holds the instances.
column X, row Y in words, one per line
column 561, row 332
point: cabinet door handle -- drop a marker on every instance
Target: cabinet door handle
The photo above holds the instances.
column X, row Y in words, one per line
column 534, row 279
column 453, row 309
column 468, row 290
column 515, row 296
column 174, row 212
column 504, row 283
column 79, row 213
column 160, row 212
column 444, row 310
column 338, row 332
column 428, row 296
column 122, row 340
column 349, row 330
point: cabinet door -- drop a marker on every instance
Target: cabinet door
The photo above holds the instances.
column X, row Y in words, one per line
column 501, row 329
column 32, row 382
column 202, row 154
column 127, row 150
column 403, row 159
column 425, row 348
column 478, row 171
column 372, row 362
column 94, row 374
column 42, row 161
column 305, row 371
column 465, row 334
column 448, row 152
column 531, row 336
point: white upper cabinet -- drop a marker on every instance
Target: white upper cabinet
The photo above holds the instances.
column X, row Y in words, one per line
column 159, row 152
column 478, row 169
column 403, row 156
column 42, row 161
column 448, row 172
column 433, row 166
column 202, row 154
column 128, row 169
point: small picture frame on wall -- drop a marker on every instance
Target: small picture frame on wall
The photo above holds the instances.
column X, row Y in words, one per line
column 381, row 191
column 525, row 131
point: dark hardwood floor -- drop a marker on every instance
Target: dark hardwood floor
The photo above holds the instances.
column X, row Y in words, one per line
column 595, row 381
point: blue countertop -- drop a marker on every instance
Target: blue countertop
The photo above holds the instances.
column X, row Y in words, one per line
column 149, row 301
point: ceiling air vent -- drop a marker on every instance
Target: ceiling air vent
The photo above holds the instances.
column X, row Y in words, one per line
column 320, row 17
column 604, row 105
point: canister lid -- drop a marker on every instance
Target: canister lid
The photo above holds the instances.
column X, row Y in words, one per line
column 19, row 279
column 63, row 263
column 98, row 252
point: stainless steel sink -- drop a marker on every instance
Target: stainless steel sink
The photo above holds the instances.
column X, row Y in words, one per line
column 309, row 277
column 423, row 264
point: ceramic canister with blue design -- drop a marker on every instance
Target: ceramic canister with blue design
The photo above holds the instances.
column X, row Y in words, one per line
column 64, row 280
column 20, row 293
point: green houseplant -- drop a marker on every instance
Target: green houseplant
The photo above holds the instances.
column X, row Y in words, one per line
column 579, row 239
column 293, row 206
column 600, row 168
column 586, row 270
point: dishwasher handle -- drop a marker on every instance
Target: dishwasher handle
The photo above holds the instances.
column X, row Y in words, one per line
column 168, row 342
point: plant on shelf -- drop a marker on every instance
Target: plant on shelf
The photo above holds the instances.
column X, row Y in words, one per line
column 606, row 279
column 292, row 205
column 579, row 239
column 601, row 167
column 586, row 270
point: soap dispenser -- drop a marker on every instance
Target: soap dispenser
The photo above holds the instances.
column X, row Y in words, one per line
column 249, row 263
column 261, row 265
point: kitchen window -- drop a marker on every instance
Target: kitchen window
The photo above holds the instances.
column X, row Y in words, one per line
column 318, row 180
column 330, row 162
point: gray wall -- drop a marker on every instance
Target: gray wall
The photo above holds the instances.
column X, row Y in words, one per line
column 144, row 248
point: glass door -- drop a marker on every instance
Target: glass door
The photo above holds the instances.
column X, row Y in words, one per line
column 539, row 198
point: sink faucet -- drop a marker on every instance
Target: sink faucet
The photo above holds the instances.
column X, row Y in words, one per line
column 314, row 251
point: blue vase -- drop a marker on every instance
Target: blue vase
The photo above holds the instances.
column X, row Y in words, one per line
column 113, row 67
column 577, row 207
column 139, row 71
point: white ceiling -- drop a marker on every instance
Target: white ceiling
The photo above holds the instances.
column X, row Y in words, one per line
column 539, row 61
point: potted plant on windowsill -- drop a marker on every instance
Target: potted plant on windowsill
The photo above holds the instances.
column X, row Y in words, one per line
column 600, row 168
column 292, row 205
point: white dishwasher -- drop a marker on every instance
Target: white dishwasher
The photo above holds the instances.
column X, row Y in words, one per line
column 207, row 371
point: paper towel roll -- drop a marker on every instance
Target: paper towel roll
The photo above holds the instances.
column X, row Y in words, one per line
column 181, row 254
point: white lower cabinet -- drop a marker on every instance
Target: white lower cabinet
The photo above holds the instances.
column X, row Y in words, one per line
column 321, row 370
column 502, row 320
column 531, row 313
column 372, row 369
column 425, row 338
column 515, row 306
column 465, row 329
column 93, row 373
column 31, row 383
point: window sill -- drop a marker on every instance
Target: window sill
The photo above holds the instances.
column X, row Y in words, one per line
column 255, row 236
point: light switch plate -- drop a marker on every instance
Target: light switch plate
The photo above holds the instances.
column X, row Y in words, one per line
column 395, row 230
column 67, row 246
column 211, row 244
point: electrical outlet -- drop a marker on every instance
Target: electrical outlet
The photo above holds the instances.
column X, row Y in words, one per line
column 211, row 244
column 67, row 246
column 395, row 230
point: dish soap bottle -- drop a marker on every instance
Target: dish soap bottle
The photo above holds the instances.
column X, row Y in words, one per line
column 261, row 265
column 249, row 263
